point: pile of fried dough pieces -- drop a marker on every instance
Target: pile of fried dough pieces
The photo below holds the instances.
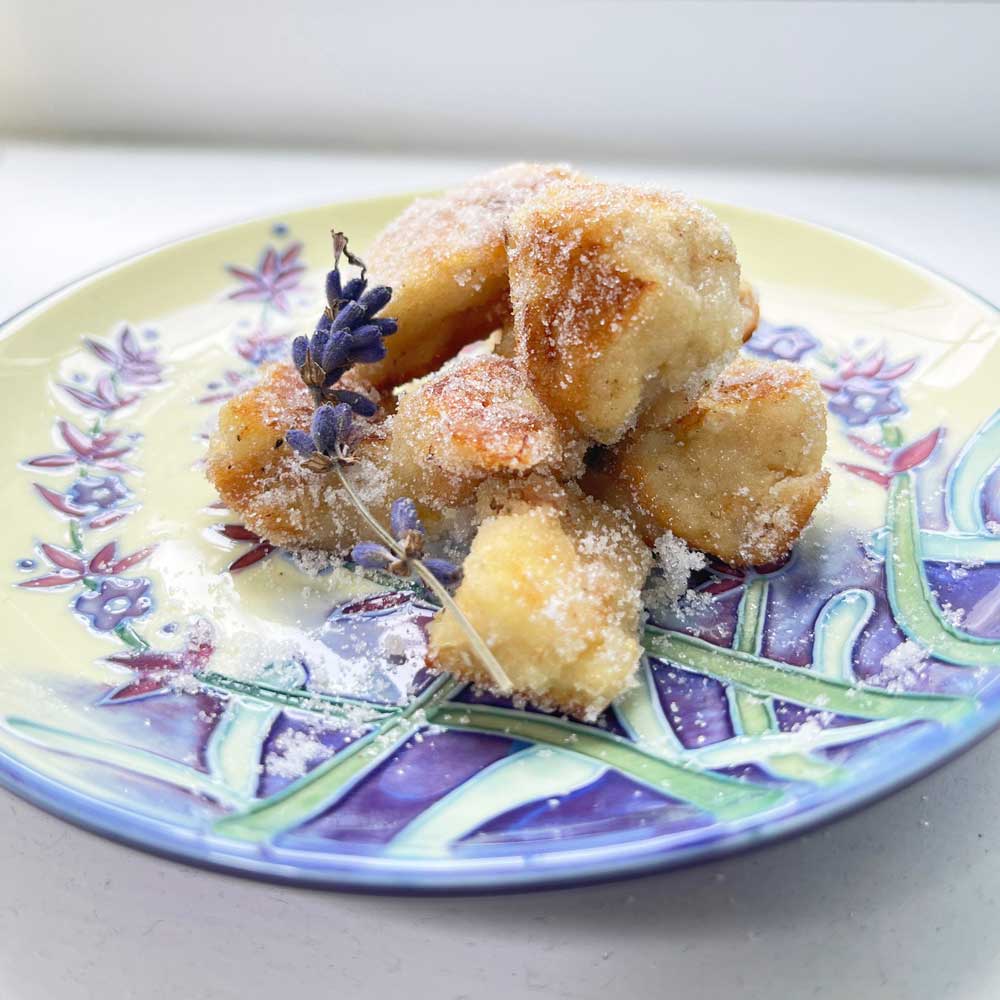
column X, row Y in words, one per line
column 566, row 385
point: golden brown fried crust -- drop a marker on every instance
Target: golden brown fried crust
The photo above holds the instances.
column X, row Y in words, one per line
column 619, row 296
column 445, row 261
column 738, row 476
column 476, row 419
column 259, row 477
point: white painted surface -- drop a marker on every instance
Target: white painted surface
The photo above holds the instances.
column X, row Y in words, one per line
column 859, row 83
column 899, row 901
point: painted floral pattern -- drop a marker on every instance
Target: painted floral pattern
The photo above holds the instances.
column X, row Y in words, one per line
column 753, row 702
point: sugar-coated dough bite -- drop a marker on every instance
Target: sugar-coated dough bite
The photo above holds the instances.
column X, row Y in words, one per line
column 476, row 419
column 261, row 479
column 445, row 261
column 620, row 295
column 750, row 305
column 738, row 476
column 553, row 587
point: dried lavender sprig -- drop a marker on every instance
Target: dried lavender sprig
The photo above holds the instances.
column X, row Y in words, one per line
column 425, row 569
column 348, row 333
column 408, row 531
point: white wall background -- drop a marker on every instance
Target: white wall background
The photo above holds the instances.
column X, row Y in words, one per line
column 900, row 84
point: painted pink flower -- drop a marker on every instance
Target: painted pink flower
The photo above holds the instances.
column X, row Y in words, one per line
column 276, row 275
column 128, row 358
column 106, row 396
column 894, row 460
column 158, row 672
column 102, row 450
column 70, row 568
column 238, row 533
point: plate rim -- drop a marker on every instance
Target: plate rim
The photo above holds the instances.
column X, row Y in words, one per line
column 344, row 871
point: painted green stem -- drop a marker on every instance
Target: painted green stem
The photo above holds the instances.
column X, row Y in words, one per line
column 641, row 715
column 726, row 798
column 754, row 716
column 325, row 784
column 770, row 679
column 233, row 751
column 333, row 706
column 109, row 752
column 913, row 603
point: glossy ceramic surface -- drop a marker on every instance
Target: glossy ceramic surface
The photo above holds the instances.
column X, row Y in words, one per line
column 170, row 680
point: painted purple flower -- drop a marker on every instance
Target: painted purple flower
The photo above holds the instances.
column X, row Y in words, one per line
column 863, row 389
column 106, row 396
column 70, row 568
column 116, row 599
column 275, row 276
column 784, row 343
column 102, row 450
column 860, row 400
column 95, row 500
column 128, row 359
column 92, row 493
column 157, row 671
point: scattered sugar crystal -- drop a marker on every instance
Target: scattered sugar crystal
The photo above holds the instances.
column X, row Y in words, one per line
column 667, row 587
column 901, row 667
column 293, row 752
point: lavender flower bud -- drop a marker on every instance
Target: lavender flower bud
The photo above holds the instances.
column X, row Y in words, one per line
column 318, row 343
column 354, row 288
column 369, row 355
column 371, row 555
column 403, row 517
column 361, row 405
column 300, row 349
column 334, row 375
column 323, row 323
column 331, row 425
column 375, row 299
column 336, row 350
column 447, row 573
column 387, row 326
column 365, row 336
column 333, row 289
column 349, row 316
column 300, row 442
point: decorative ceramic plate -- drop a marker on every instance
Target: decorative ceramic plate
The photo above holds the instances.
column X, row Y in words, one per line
column 171, row 681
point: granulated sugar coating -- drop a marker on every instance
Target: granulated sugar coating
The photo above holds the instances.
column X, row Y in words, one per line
column 738, row 476
column 539, row 315
column 566, row 627
column 673, row 565
column 444, row 259
column 619, row 296
column 259, row 476
column 476, row 419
